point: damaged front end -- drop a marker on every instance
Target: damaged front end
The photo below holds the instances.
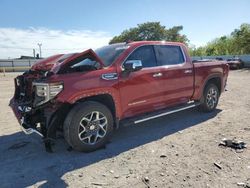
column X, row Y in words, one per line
column 34, row 107
column 35, row 102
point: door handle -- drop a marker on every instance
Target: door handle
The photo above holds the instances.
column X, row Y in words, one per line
column 159, row 74
column 188, row 71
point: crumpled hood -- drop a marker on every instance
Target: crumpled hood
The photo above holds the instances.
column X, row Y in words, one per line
column 60, row 66
column 46, row 64
column 58, row 62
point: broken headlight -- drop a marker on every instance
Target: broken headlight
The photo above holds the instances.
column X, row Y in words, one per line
column 44, row 92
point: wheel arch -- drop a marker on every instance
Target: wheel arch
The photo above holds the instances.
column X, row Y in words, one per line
column 60, row 115
column 107, row 100
column 216, row 80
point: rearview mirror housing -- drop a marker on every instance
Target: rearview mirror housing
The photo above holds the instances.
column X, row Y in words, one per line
column 132, row 65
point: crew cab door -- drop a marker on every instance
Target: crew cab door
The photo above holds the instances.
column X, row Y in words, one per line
column 140, row 90
column 177, row 78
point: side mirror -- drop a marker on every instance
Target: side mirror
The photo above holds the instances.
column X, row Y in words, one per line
column 132, row 65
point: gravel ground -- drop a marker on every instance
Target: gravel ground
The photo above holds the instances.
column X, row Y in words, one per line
column 174, row 151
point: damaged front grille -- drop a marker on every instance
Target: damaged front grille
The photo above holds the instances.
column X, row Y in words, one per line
column 24, row 91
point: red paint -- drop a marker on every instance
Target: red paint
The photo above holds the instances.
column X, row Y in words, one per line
column 138, row 92
column 46, row 64
column 88, row 53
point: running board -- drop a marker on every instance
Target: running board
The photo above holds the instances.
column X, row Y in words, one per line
column 161, row 113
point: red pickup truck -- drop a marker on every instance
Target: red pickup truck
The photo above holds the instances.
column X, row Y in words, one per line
column 87, row 95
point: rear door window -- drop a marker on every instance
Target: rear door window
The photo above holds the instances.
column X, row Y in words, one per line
column 145, row 54
column 169, row 55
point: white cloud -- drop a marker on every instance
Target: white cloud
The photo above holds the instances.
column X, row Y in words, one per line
column 15, row 42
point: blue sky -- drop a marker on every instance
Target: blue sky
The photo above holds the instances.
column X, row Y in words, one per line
column 202, row 20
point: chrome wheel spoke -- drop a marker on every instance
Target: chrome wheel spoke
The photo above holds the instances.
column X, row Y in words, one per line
column 86, row 137
column 82, row 126
column 91, row 116
column 97, row 116
column 84, row 119
column 102, row 129
column 212, row 97
column 96, row 137
column 80, row 134
column 102, row 118
column 92, row 127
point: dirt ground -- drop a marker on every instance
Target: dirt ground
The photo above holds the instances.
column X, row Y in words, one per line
column 174, row 151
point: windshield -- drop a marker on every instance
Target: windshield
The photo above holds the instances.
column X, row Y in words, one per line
column 108, row 54
column 86, row 62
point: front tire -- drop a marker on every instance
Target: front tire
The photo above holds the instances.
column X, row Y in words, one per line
column 210, row 98
column 88, row 126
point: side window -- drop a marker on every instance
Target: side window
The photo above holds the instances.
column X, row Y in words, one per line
column 169, row 55
column 145, row 54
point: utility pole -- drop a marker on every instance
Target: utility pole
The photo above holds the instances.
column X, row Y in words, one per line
column 34, row 53
column 40, row 49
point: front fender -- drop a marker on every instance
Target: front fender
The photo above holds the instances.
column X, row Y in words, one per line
column 81, row 95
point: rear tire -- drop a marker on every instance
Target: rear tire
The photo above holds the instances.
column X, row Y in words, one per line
column 88, row 126
column 210, row 98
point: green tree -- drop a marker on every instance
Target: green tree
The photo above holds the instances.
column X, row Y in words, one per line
column 173, row 34
column 235, row 44
column 200, row 51
column 151, row 31
column 241, row 39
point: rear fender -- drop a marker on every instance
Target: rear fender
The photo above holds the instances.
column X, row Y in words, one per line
column 199, row 93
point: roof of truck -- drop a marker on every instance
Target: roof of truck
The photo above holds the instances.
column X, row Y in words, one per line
column 154, row 42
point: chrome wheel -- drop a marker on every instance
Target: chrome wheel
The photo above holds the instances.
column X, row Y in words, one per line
column 92, row 128
column 212, row 98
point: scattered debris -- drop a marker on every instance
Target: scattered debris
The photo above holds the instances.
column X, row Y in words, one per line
column 18, row 145
column 163, row 156
column 245, row 185
column 247, row 129
column 130, row 171
column 217, row 165
column 235, row 144
column 239, row 150
column 117, row 176
column 145, row 180
column 241, row 184
column 180, row 132
column 98, row 183
column 111, row 171
column 162, row 174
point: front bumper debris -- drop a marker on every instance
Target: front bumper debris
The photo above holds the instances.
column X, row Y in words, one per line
column 20, row 112
column 29, row 130
column 43, row 121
